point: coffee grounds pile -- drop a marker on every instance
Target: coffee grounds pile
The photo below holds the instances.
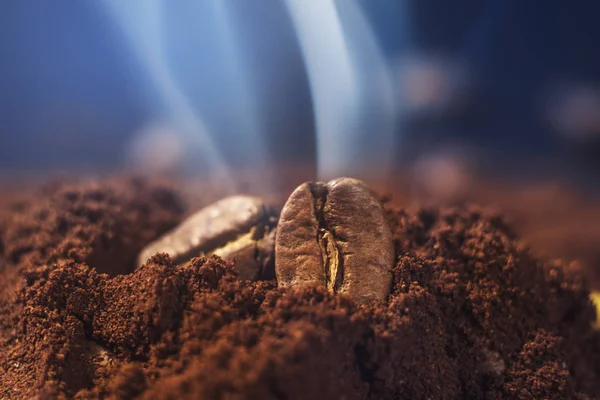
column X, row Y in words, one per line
column 472, row 313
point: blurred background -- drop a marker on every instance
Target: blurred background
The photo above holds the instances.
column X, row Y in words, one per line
column 508, row 87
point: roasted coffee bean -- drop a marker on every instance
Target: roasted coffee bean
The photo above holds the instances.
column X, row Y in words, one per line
column 239, row 228
column 335, row 235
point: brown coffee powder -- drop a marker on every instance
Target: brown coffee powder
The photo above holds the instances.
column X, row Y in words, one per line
column 471, row 314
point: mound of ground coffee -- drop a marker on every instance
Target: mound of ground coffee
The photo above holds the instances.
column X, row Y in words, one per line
column 471, row 314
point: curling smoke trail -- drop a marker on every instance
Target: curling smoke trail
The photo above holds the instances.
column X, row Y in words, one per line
column 351, row 87
column 143, row 25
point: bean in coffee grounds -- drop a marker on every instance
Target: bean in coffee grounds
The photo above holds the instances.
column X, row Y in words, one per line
column 240, row 228
column 471, row 313
column 354, row 250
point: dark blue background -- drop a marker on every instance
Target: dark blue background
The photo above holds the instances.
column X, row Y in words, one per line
column 70, row 95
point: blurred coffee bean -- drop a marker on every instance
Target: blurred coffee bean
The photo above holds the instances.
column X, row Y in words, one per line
column 335, row 235
column 239, row 228
column 595, row 297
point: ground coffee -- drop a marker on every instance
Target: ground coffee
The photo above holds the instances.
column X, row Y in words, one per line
column 471, row 313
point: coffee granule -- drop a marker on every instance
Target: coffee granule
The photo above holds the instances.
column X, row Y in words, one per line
column 472, row 313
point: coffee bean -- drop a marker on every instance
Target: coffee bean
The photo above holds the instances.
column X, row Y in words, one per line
column 335, row 235
column 239, row 228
